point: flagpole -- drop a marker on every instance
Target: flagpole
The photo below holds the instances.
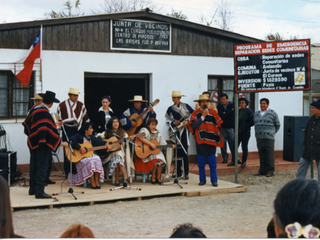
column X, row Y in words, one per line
column 40, row 78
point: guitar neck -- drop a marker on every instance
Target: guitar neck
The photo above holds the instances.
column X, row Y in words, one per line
column 96, row 148
column 155, row 102
column 164, row 146
column 141, row 114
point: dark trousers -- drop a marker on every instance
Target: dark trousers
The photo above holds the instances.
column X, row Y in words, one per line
column 49, row 168
column 70, row 132
column 266, row 154
column 181, row 153
column 244, row 140
column 38, row 168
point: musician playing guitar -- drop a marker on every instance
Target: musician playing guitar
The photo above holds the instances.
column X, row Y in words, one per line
column 88, row 167
column 136, row 109
column 178, row 116
column 116, row 160
column 153, row 163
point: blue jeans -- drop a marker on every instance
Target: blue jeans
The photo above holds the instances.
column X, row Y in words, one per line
column 227, row 135
column 202, row 160
column 304, row 166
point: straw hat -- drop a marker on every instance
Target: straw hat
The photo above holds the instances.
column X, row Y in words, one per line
column 74, row 91
column 37, row 97
column 177, row 94
column 137, row 98
column 49, row 96
column 203, row 97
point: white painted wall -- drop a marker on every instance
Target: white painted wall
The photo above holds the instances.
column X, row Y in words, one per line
column 63, row 69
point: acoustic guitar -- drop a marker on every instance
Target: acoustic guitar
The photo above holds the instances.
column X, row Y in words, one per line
column 138, row 118
column 116, row 145
column 144, row 150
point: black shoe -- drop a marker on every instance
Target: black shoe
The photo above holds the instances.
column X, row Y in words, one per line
column 98, row 187
column 230, row 164
column 269, row 175
column 117, row 184
column 215, row 184
column 239, row 162
column 202, row 183
column 43, row 195
column 32, row 192
column 243, row 164
column 225, row 161
column 186, row 177
column 50, row 182
column 258, row 174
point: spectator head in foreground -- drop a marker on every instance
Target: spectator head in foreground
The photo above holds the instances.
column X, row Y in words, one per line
column 187, row 230
column 6, row 225
column 297, row 209
column 77, row 231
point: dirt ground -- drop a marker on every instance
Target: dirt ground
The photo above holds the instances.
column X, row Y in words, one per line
column 234, row 215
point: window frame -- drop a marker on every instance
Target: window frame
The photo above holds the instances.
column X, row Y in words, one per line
column 221, row 90
column 10, row 90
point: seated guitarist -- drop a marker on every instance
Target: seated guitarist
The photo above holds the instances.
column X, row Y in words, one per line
column 116, row 160
column 137, row 103
column 88, row 167
column 152, row 163
column 179, row 114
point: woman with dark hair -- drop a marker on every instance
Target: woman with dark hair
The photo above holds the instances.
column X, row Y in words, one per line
column 246, row 121
column 6, row 225
column 187, row 230
column 104, row 114
column 117, row 159
column 152, row 163
column 88, row 167
column 297, row 209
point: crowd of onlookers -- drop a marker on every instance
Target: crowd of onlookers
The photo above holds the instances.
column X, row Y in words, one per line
column 296, row 214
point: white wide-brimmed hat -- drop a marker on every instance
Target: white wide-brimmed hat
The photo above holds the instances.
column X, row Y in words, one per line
column 137, row 98
column 204, row 97
column 177, row 94
column 37, row 97
column 74, row 91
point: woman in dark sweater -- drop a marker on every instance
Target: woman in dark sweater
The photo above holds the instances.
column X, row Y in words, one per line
column 246, row 121
column 105, row 113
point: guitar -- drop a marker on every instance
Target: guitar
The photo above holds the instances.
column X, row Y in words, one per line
column 138, row 118
column 143, row 150
column 116, row 145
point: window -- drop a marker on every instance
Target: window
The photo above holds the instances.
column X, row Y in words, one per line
column 14, row 97
column 219, row 85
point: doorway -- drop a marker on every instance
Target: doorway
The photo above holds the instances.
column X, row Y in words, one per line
column 120, row 87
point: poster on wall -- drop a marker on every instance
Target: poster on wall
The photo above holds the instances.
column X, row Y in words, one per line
column 137, row 35
column 272, row 66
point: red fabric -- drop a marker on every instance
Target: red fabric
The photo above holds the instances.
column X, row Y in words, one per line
column 141, row 167
column 24, row 75
column 213, row 128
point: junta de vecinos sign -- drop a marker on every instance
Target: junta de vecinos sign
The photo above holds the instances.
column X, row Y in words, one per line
column 272, row 66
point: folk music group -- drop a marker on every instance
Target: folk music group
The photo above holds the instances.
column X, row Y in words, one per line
column 102, row 145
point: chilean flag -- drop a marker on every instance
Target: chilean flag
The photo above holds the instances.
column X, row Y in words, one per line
column 23, row 68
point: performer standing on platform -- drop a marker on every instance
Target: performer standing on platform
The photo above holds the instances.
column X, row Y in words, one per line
column 104, row 114
column 178, row 116
column 205, row 123
column 73, row 114
column 137, row 102
column 153, row 163
column 43, row 138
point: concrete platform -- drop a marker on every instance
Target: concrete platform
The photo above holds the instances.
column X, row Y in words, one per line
column 21, row 199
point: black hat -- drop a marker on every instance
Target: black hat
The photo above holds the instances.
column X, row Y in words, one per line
column 49, row 96
column 316, row 104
